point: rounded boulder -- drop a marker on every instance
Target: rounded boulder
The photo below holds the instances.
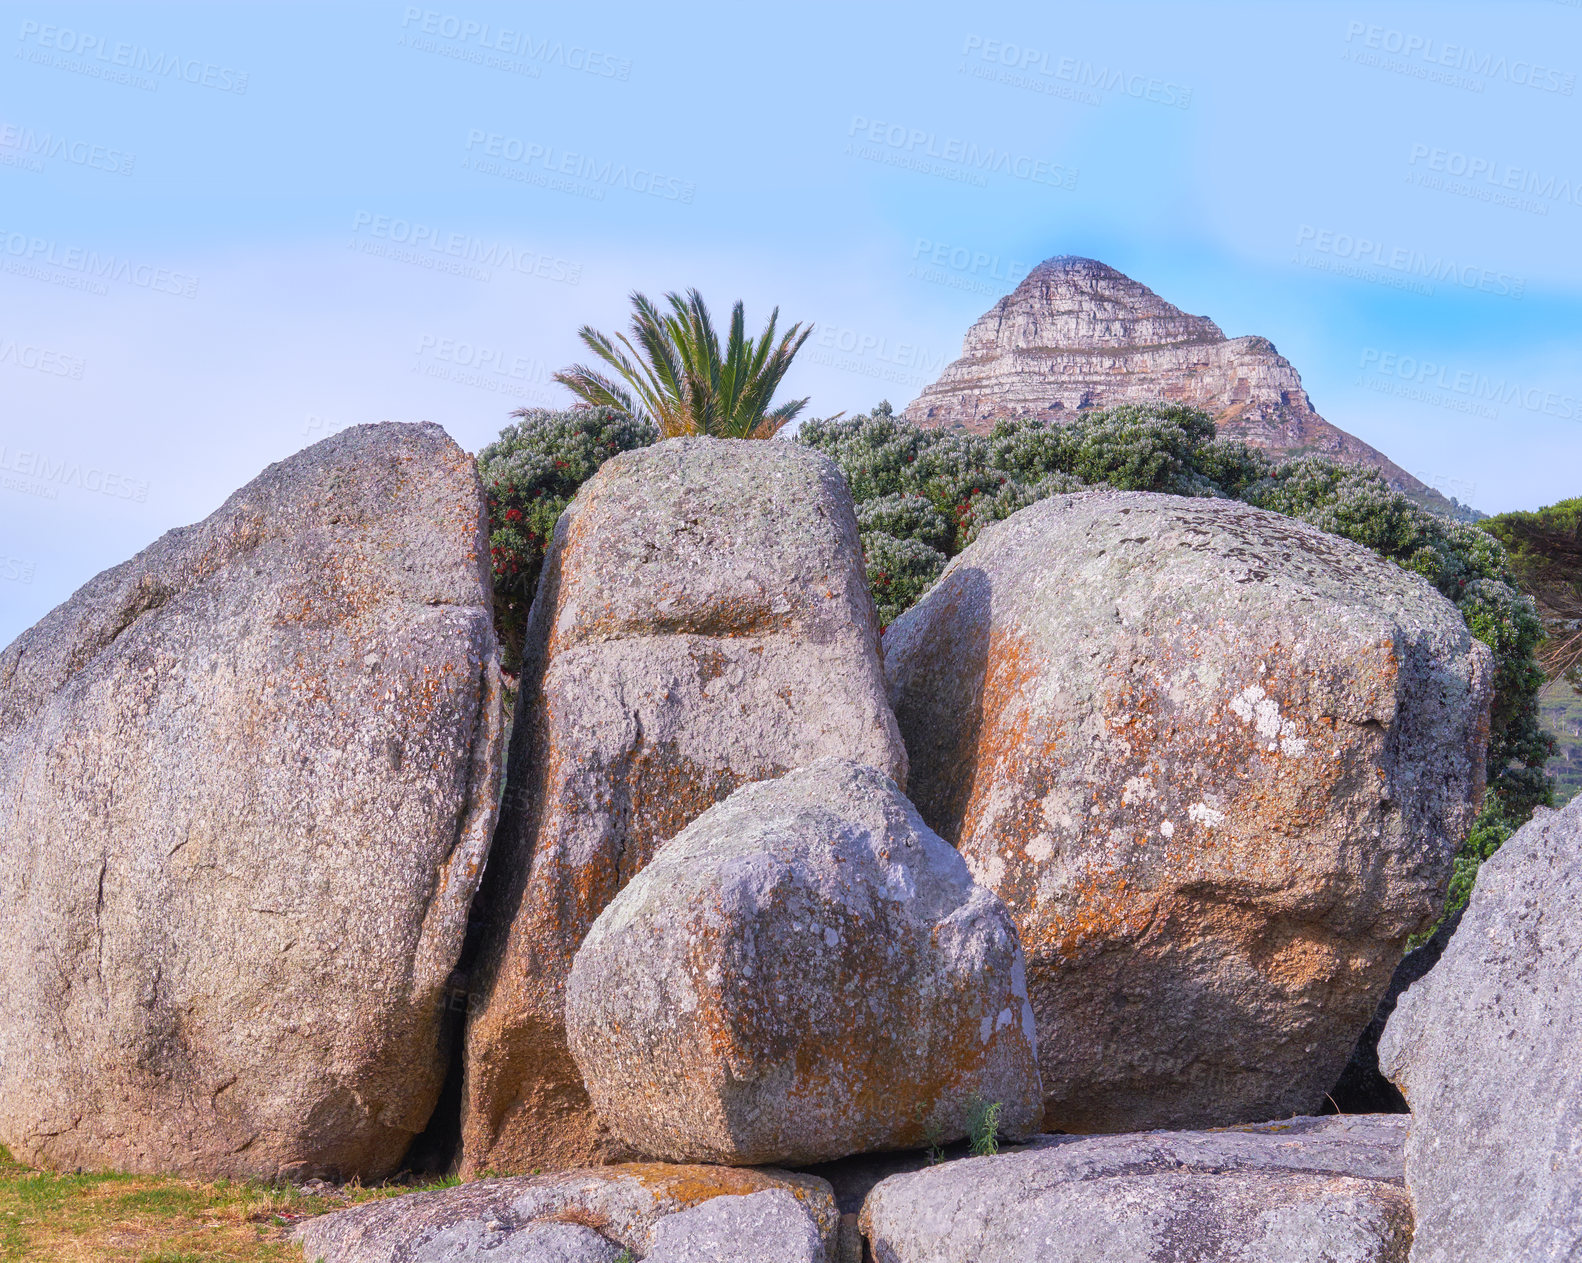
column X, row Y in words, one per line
column 806, row 971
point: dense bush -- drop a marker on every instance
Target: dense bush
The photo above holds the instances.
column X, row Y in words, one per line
column 923, row 496
column 529, row 475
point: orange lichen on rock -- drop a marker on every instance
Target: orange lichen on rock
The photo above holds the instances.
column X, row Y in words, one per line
column 1216, row 763
column 702, row 623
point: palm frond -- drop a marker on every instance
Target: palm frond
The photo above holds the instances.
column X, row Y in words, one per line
column 672, row 371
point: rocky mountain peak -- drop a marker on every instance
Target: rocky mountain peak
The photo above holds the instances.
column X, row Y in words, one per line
column 1077, row 334
column 1075, row 303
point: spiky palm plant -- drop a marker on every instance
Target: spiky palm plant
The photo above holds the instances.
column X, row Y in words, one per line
column 676, row 377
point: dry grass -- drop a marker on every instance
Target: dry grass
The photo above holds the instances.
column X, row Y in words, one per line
column 155, row 1219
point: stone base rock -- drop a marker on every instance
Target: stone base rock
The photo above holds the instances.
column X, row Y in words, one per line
column 249, row 785
column 1487, row 1049
column 767, row 1227
column 1311, row 1190
column 1217, row 763
column 617, row 1208
column 703, row 621
column 804, row 972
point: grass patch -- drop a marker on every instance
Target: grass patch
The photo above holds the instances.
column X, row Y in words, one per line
column 116, row 1218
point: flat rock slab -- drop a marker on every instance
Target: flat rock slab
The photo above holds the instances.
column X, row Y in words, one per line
column 1487, row 1050
column 806, row 971
column 703, row 621
column 621, row 1206
column 250, row 780
column 1317, row 1190
column 1217, row 763
column 767, row 1227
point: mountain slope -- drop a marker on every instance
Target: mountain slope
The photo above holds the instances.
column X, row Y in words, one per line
column 1077, row 334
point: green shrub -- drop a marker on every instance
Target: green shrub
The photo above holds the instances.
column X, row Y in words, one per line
column 529, row 475
column 899, row 472
column 924, row 495
column 900, row 570
column 983, row 1128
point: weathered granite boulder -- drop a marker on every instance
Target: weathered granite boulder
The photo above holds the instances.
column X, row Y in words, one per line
column 250, row 779
column 767, row 1227
column 1217, row 763
column 804, row 972
column 1317, row 1190
column 703, row 621
column 523, row 1218
column 1486, row 1050
column 1076, row 334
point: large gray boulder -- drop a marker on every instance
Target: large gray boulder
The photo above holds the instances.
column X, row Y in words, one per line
column 1217, row 763
column 1318, row 1190
column 767, row 1227
column 250, row 780
column 619, row 1208
column 703, row 621
column 1488, row 1052
column 804, row 972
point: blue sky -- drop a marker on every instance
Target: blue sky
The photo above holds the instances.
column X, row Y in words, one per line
column 227, row 230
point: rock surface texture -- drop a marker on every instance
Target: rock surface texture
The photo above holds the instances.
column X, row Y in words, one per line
column 805, row 972
column 1485, row 1048
column 703, row 621
column 616, row 1208
column 1217, row 763
column 767, row 1227
column 1309, row 1189
column 249, row 784
column 1077, row 334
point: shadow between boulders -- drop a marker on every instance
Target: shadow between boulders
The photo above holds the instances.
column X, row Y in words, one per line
column 1362, row 1088
column 940, row 783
